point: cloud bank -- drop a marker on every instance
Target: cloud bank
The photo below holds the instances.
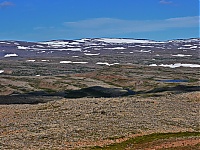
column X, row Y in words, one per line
column 110, row 26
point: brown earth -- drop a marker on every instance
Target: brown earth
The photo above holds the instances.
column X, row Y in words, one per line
column 71, row 123
column 175, row 143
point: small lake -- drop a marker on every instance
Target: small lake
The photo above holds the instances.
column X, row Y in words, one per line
column 173, row 80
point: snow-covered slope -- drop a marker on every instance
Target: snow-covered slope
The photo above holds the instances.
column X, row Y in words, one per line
column 94, row 47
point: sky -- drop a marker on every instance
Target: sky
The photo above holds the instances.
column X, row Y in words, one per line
column 42, row 20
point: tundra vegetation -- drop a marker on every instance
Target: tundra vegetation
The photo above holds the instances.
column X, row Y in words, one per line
column 144, row 98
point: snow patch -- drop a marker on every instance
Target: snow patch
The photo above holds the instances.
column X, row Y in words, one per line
column 153, row 65
column 187, row 45
column 177, row 65
column 181, row 55
column 70, row 62
column 16, row 43
column 4, row 43
column 55, row 43
column 79, row 62
column 69, row 49
column 31, row 60
column 107, row 64
column 107, row 40
column 144, row 51
column 39, row 46
column 74, row 43
column 22, row 47
column 41, row 52
column 193, row 47
column 145, row 46
column 11, row 55
column 116, row 48
column 65, row 62
column 82, row 40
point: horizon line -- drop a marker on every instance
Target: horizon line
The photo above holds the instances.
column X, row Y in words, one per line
column 60, row 39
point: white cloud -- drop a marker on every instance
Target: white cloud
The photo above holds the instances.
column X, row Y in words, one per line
column 165, row 2
column 42, row 28
column 6, row 4
column 110, row 26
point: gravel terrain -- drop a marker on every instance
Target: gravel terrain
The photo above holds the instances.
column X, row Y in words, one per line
column 71, row 123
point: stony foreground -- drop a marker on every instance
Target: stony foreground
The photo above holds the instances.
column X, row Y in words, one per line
column 71, row 123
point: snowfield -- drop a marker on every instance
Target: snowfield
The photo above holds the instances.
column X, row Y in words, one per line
column 108, row 40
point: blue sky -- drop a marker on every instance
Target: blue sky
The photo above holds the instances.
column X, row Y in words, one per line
column 39, row 20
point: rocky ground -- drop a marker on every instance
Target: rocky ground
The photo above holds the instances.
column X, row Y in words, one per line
column 93, row 92
column 76, row 123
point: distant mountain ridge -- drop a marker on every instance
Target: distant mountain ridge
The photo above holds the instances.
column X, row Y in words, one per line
column 104, row 39
column 93, row 46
